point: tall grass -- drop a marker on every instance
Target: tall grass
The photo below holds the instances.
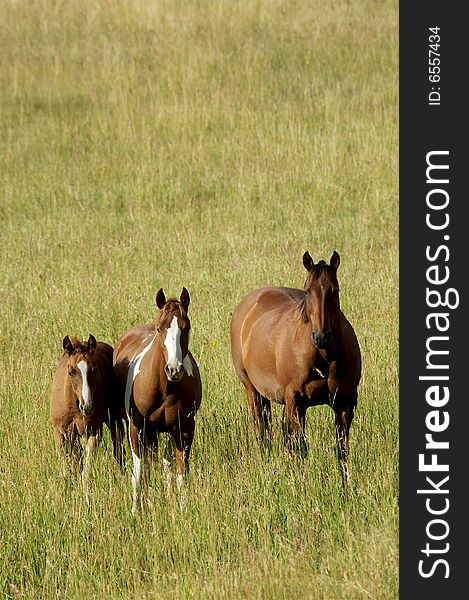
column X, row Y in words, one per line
column 202, row 144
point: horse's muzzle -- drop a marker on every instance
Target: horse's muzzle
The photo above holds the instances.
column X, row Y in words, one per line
column 321, row 340
column 174, row 373
column 86, row 409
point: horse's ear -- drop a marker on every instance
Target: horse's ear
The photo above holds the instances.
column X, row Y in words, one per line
column 67, row 345
column 91, row 342
column 160, row 298
column 308, row 261
column 335, row 261
column 185, row 299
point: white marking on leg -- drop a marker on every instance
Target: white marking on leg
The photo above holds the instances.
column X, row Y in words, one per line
column 182, row 490
column 173, row 345
column 85, row 387
column 167, row 468
column 134, row 370
column 136, row 471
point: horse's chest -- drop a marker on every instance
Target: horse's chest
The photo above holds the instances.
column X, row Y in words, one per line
column 151, row 405
column 156, row 415
column 165, row 411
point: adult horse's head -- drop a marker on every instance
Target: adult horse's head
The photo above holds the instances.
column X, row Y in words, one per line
column 322, row 298
column 173, row 325
column 81, row 371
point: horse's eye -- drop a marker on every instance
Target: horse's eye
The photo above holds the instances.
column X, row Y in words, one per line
column 72, row 372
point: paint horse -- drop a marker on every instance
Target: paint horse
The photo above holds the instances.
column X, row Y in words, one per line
column 297, row 348
column 159, row 385
column 83, row 400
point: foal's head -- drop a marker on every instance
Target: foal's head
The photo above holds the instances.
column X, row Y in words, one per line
column 81, row 371
column 174, row 325
column 322, row 298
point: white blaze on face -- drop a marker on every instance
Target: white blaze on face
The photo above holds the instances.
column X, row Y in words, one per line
column 173, row 345
column 85, row 388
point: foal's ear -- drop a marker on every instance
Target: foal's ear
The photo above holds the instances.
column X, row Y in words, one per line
column 91, row 342
column 308, row 261
column 67, row 345
column 160, row 298
column 335, row 261
column 185, row 299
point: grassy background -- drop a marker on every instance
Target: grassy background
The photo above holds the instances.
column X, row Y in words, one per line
column 202, row 144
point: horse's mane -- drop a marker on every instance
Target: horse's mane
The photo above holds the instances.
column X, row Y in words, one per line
column 303, row 315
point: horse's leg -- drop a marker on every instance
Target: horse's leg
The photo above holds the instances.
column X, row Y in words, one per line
column 266, row 413
column 116, row 429
column 74, row 449
column 169, row 460
column 183, row 437
column 149, row 439
column 61, row 446
column 294, row 423
column 90, row 451
column 135, row 448
column 317, row 392
column 254, row 401
column 260, row 408
column 344, row 412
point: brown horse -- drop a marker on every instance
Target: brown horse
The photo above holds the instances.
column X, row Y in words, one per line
column 296, row 347
column 159, row 385
column 83, row 399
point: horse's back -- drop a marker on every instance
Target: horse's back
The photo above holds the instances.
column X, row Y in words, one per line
column 270, row 298
column 265, row 306
column 131, row 341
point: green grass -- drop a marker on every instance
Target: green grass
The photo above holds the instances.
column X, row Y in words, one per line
column 208, row 145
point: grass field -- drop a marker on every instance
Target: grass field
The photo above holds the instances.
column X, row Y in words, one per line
column 207, row 144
